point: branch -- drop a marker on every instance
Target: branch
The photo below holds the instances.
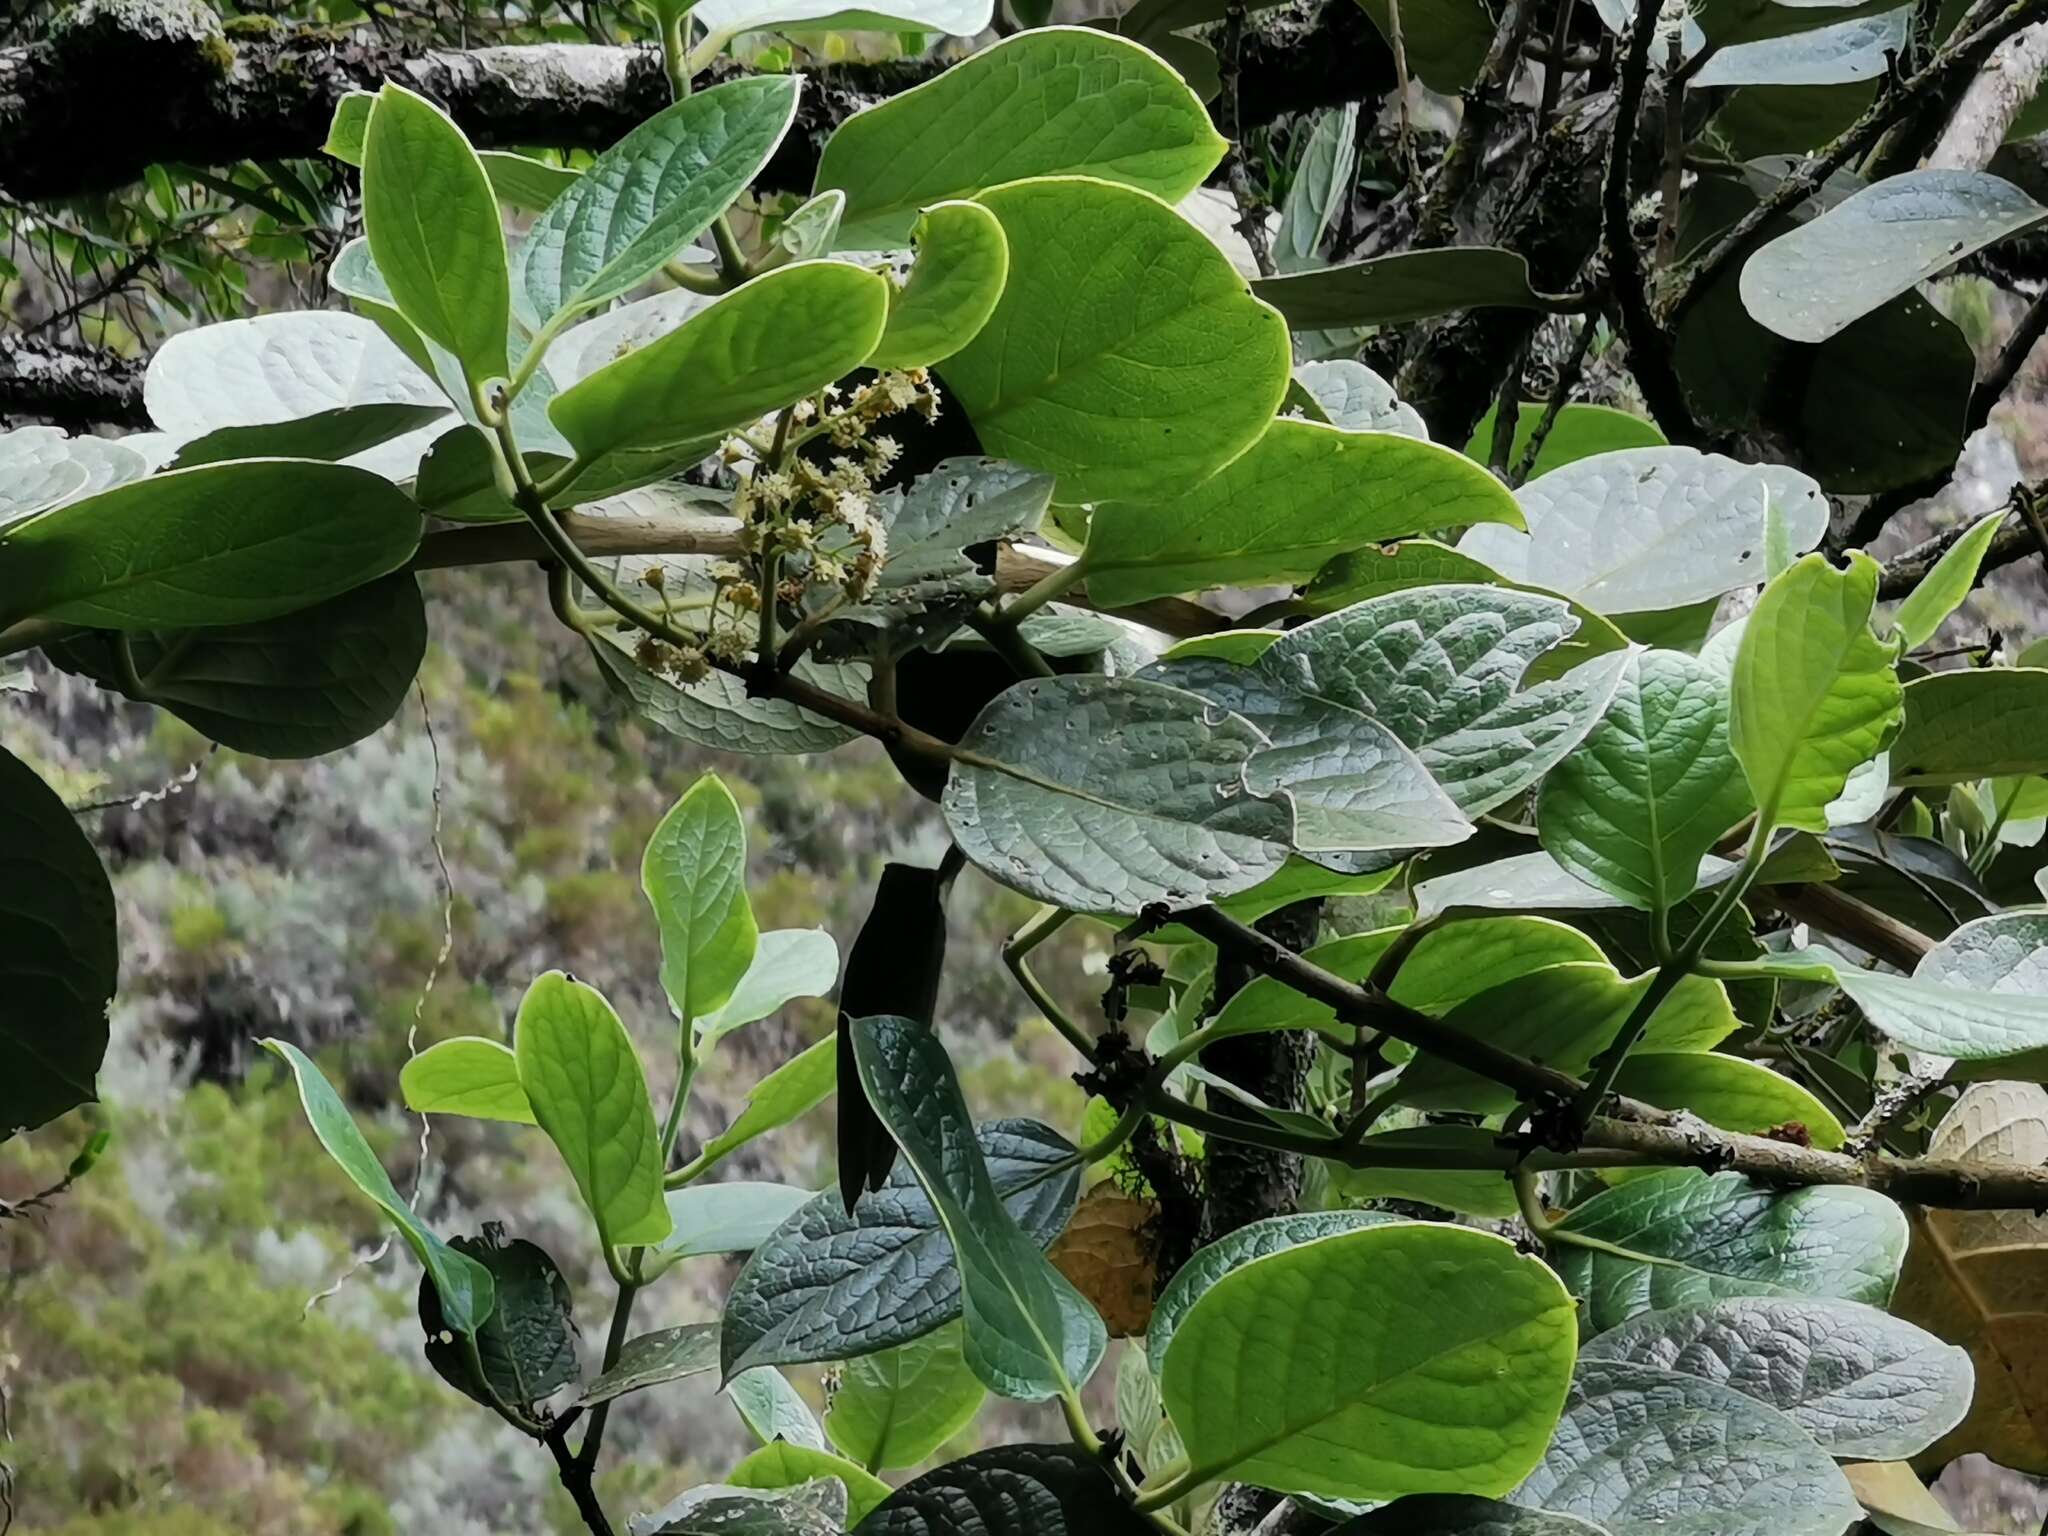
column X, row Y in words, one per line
column 1992, row 103
column 1906, row 572
column 74, row 386
column 191, row 92
column 1460, row 163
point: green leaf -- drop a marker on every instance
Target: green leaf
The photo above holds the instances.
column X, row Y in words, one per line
column 833, row 1286
column 1065, row 797
column 651, row 194
column 36, row 471
column 224, row 544
column 463, row 1285
column 1211, row 1262
column 770, row 341
column 773, row 1409
column 1297, row 498
column 1445, row 43
column 584, row 1082
column 1727, row 1091
column 434, row 228
column 466, row 1076
column 1318, row 189
column 1349, row 395
column 1876, row 244
column 1861, row 1382
column 726, row 19
column 812, row 229
column 788, row 963
column 783, row 1465
column 1642, row 1448
column 1125, row 356
column 1456, row 1514
column 715, row 711
column 961, row 503
column 1704, row 1237
column 347, row 128
column 1476, row 1191
column 788, row 1093
column 59, row 954
column 1650, row 528
column 330, row 436
column 1438, row 666
column 1815, row 694
column 527, row 1346
column 525, row 183
column 728, row 1218
column 815, row 1508
column 1012, row 1490
column 1405, row 1358
column 1409, row 285
column 1053, row 101
column 308, row 683
column 898, row 1406
column 1579, row 432
column 1564, row 1015
column 668, row 1354
column 962, row 265
column 1653, row 787
column 1029, row 1334
column 1446, row 967
column 695, row 875
column 1942, row 590
column 1982, row 722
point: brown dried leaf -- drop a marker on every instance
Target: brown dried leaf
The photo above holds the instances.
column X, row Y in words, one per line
column 1109, row 1255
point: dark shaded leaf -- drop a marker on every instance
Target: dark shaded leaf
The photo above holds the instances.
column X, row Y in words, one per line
column 1014, row 1490
column 527, row 1345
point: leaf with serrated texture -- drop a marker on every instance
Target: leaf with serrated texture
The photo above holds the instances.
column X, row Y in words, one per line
column 1012, row 1490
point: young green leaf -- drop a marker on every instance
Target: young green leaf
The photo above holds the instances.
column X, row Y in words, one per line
column 770, row 341
column 527, row 1346
column 788, row 963
column 525, row 183
column 197, row 548
column 651, row 194
column 59, row 953
column 694, row 873
column 1980, row 722
column 462, row 1284
column 832, row 1286
column 1029, row 1334
column 1815, row 695
column 1942, row 590
column 1653, row 787
column 896, row 1407
column 466, row 1076
column 1728, row 1091
column 583, row 1079
column 788, row 1093
column 962, row 264
column 1125, row 357
column 1011, row 1490
column 773, row 1409
column 1703, row 1237
column 728, row 1218
column 1054, row 101
column 1404, row 1358
column 783, row 1465
column 1643, row 1447
column 1300, row 496
column 433, row 225
column 1140, row 782
column 1862, row 1382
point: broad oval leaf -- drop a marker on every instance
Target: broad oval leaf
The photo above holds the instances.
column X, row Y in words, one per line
column 727, row 19
column 1386, row 1171
column 1976, row 1278
column 305, row 684
column 583, row 1079
column 1650, row 528
column 1861, row 1382
column 651, row 194
column 833, row 1286
column 1054, row 101
column 1641, row 1448
column 467, row 1076
column 1109, row 795
column 462, row 1285
column 1300, row 496
column 1012, row 1490
column 1815, row 695
column 59, row 953
column 36, row 471
column 1653, row 787
column 770, row 341
column 222, row 544
column 1028, row 1333
column 434, row 227
column 1730, row 1092
column 1978, row 723
column 527, row 1346
column 1405, row 286
column 1457, row 1514
column 1404, row 1358
column 788, row 963
column 715, row 710
column 1703, row 1237
column 1877, row 243
column 897, row 1406
column 1977, row 1001
column 1349, row 395
column 694, row 873
column 1125, row 357
column 737, row 1217
column 963, row 261
column 1211, row 1262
